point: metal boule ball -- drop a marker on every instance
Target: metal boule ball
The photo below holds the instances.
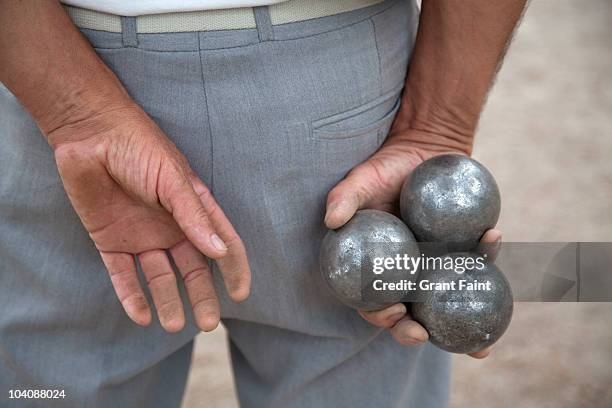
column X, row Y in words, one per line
column 348, row 252
column 470, row 316
column 450, row 199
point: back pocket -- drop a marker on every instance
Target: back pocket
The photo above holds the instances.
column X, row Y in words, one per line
column 375, row 117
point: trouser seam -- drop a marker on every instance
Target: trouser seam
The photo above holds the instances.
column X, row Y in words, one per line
column 379, row 135
column 210, row 134
column 380, row 79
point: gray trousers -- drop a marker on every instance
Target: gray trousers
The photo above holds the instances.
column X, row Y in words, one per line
column 271, row 119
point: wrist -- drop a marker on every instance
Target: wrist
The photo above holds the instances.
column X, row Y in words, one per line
column 430, row 136
column 91, row 116
column 78, row 103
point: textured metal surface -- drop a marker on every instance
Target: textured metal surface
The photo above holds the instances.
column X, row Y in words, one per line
column 462, row 321
column 450, row 198
column 343, row 251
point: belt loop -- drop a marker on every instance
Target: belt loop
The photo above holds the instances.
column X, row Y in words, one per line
column 128, row 31
column 264, row 24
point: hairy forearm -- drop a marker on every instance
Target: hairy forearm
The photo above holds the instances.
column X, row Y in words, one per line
column 459, row 47
column 50, row 66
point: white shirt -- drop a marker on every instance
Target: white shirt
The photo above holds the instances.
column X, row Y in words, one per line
column 142, row 7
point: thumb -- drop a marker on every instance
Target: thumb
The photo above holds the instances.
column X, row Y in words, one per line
column 183, row 202
column 375, row 183
column 347, row 197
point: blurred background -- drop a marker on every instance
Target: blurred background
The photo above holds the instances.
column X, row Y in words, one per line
column 546, row 135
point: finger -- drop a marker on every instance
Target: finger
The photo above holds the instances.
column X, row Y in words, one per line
column 344, row 200
column 234, row 266
column 385, row 318
column 484, row 353
column 490, row 244
column 180, row 199
column 122, row 270
column 162, row 284
column 408, row 332
column 492, row 236
column 199, row 284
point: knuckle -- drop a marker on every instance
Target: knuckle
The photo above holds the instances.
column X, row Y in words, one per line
column 137, row 300
column 201, row 214
column 170, row 309
column 234, row 242
column 161, row 279
column 120, row 272
column 204, row 194
column 379, row 175
column 207, row 304
column 194, row 274
column 211, row 210
column 172, row 177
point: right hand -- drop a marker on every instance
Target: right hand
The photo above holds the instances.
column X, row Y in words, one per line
column 137, row 196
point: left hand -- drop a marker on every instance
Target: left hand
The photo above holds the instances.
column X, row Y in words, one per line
column 376, row 184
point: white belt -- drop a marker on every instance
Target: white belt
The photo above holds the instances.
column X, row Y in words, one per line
column 211, row 20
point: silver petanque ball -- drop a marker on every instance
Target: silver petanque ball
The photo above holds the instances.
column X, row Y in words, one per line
column 452, row 199
column 464, row 320
column 347, row 254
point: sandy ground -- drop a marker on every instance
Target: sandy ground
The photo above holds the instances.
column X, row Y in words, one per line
column 546, row 134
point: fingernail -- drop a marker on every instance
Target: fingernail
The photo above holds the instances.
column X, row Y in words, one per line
column 396, row 316
column 399, row 311
column 412, row 341
column 497, row 244
column 330, row 210
column 411, row 334
column 218, row 242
